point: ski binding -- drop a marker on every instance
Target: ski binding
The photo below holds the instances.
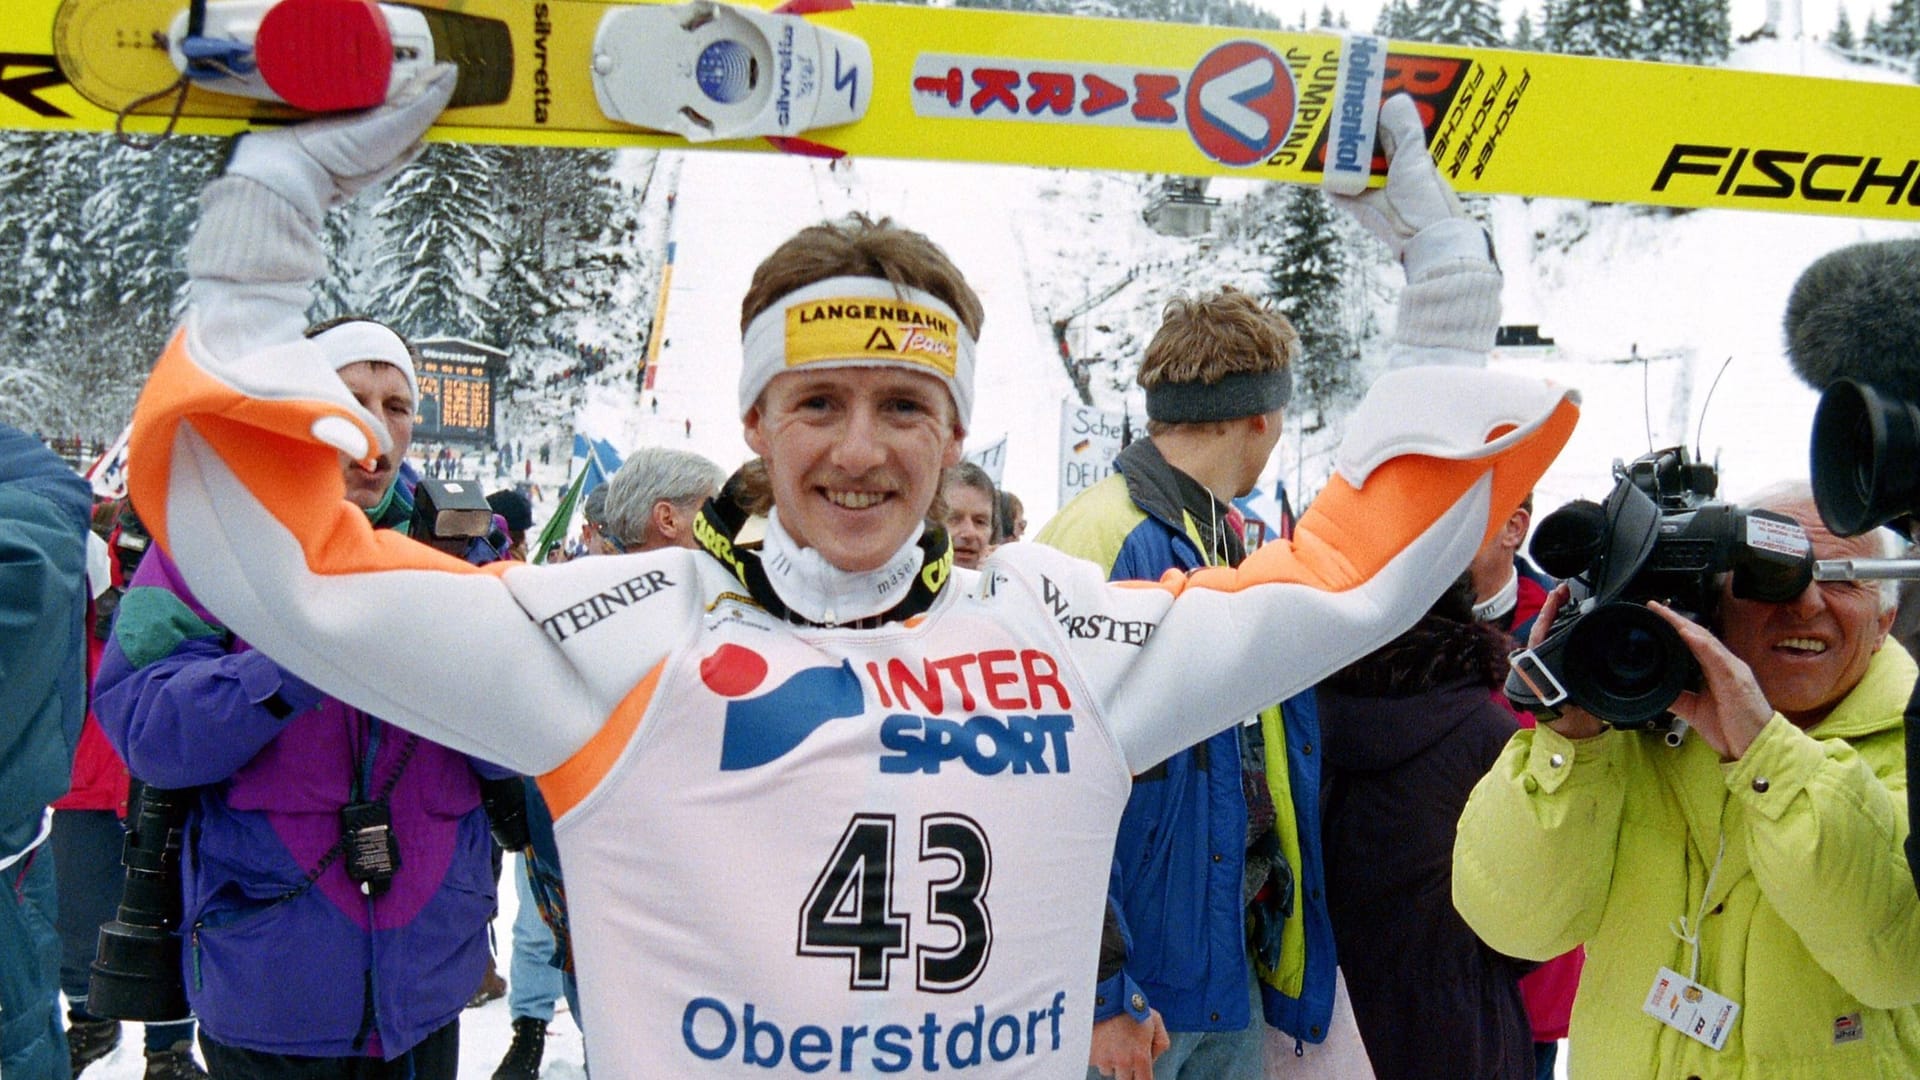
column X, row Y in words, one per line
column 706, row 71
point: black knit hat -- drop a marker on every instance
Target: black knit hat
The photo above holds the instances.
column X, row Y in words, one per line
column 513, row 507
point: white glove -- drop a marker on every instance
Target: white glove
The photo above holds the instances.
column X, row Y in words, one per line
column 1416, row 197
column 296, row 392
column 321, row 163
column 257, row 250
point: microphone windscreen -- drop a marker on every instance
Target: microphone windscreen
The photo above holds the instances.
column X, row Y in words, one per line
column 1855, row 313
column 1567, row 541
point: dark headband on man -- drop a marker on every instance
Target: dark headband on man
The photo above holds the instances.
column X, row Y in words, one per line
column 1243, row 393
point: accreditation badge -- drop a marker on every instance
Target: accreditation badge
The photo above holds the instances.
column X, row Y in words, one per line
column 1691, row 1009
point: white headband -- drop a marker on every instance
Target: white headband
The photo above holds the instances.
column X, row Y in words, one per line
column 366, row 341
column 859, row 322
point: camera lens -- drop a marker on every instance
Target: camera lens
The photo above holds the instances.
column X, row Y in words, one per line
column 1633, row 662
column 1626, row 665
column 135, row 974
column 1862, row 444
column 1863, row 473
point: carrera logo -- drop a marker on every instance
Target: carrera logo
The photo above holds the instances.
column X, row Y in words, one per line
column 1240, row 103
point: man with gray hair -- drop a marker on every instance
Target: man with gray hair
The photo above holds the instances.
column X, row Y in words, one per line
column 652, row 500
column 1747, row 888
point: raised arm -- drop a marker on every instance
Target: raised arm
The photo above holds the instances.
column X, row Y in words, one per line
column 235, row 468
column 1434, row 460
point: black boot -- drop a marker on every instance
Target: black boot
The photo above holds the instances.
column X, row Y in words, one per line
column 523, row 1057
column 90, row 1040
column 174, row 1063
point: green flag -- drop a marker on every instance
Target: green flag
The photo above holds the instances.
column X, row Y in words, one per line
column 554, row 533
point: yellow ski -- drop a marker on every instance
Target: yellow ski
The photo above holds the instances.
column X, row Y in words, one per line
column 945, row 84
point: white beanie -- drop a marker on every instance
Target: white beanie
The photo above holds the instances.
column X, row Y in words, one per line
column 859, row 322
column 365, row 341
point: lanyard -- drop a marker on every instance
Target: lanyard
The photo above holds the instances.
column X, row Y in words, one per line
column 363, row 776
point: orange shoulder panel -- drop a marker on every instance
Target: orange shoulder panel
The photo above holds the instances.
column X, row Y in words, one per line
column 1346, row 537
column 575, row 778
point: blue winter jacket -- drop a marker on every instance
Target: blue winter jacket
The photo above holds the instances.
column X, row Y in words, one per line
column 1179, row 861
column 273, row 964
column 43, row 657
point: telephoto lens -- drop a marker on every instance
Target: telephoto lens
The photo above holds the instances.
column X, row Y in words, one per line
column 136, row 970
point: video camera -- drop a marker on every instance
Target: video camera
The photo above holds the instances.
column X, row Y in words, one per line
column 1853, row 333
column 1659, row 536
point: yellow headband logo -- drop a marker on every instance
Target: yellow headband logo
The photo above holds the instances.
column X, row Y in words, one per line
column 858, row 328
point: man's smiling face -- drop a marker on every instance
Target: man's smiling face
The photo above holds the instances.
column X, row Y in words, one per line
column 854, row 455
column 1811, row 651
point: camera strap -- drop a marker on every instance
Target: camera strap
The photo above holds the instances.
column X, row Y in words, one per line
column 339, row 847
column 1688, row 930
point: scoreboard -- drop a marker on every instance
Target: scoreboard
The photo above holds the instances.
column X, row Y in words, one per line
column 457, row 379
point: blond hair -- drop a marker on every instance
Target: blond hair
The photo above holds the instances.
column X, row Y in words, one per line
column 1208, row 337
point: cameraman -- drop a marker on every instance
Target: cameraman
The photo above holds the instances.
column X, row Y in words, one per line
column 312, row 948
column 1758, row 863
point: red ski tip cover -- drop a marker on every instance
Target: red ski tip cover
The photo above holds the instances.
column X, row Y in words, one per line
column 787, row 144
column 808, row 7
column 326, row 55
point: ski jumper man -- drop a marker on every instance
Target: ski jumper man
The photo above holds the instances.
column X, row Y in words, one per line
column 825, row 805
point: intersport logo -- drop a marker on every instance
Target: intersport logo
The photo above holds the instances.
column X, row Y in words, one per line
column 1010, row 710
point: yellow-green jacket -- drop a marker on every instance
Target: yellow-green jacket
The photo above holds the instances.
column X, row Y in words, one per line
column 1812, row 924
